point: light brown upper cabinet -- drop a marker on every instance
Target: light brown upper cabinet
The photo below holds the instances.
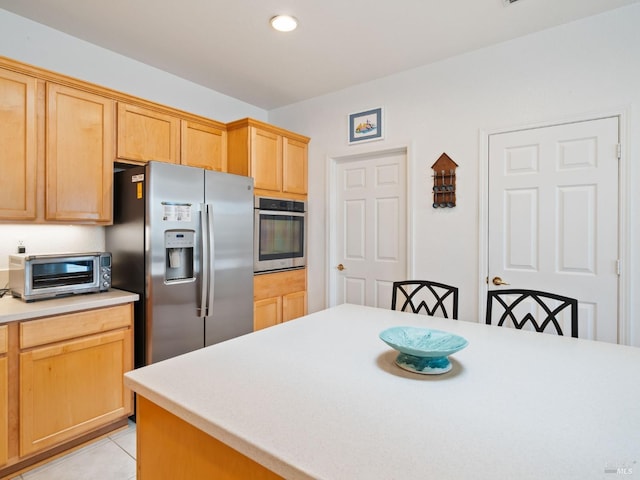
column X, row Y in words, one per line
column 294, row 166
column 203, row 145
column 18, row 146
column 58, row 146
column 145, row 134
column 265, row 159
column 80, row 150
column 275, row 158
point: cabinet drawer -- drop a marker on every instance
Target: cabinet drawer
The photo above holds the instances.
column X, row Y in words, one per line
column 4, row 337
column 274, row 284
column 73, row 325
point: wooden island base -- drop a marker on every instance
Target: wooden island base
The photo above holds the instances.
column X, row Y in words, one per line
column 170, row 448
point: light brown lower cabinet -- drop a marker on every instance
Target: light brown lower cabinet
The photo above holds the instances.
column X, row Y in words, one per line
column 72, row 387
column 4, row 396
column 69, row 382
column 279, row 297
column 294, row 305
column 267, row 312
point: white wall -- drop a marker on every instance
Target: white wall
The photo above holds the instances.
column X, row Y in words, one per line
column 50, row 239
column 573, row 71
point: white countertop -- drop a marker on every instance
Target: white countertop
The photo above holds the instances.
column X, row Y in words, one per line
column 320, row 397
column 14, row 309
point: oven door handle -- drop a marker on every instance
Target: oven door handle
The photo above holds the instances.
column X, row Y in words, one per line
column 283, row 213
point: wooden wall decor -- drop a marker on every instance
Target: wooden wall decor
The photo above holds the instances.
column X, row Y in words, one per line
column 444, row 182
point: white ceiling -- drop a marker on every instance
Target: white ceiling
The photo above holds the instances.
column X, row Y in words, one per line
column 228, row 45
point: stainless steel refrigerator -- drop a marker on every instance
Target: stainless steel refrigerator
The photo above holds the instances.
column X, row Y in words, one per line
column 182, row 238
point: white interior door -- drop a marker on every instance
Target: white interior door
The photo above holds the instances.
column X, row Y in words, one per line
column 371, row 228
column 553, row 217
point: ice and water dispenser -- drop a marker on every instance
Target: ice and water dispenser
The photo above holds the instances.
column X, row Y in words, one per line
column 178, row 251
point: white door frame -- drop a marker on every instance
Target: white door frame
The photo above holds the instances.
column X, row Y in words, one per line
column 330, row 231
column 624, row 202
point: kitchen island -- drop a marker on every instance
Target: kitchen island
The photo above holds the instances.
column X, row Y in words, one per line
column 321, row 397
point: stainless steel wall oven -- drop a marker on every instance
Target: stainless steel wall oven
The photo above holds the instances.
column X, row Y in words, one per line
column 279, row 234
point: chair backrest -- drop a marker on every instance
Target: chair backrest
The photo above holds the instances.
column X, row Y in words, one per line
column 540, row 309
column 434, row 298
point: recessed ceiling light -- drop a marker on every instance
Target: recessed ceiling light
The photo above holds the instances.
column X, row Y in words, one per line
column 284, row 23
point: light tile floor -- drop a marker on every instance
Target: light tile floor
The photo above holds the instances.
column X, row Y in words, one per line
column 112, row 458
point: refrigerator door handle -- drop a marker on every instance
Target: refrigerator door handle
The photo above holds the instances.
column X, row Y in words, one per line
column 211, row 265
column 204, row 270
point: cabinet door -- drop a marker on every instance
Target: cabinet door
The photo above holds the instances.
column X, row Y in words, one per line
column 80, row 153
column 267, row 312
column 145, row 135
column 73, row 387
column 266, row 160
column 278, row 297
column 4, row 410
column 18, row 146
column 294, row 305
column 4, row 396
column 203, row 146
column 294, row 166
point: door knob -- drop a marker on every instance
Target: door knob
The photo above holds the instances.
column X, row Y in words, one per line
column 340, row 267
column 498, row 281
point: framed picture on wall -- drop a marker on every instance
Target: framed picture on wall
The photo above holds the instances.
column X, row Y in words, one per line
column 365, row 126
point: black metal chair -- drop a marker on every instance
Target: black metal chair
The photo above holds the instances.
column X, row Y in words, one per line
column 515, row 306
column 417, row 295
